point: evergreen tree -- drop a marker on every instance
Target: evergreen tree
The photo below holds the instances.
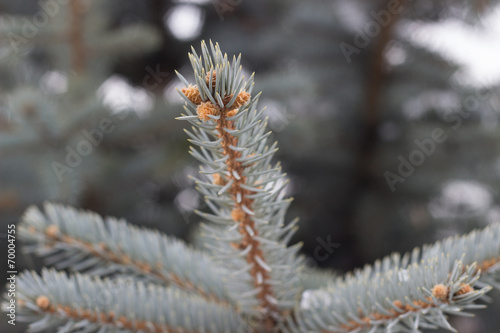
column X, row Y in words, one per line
column 63, row 136
column 252, row 281
column 361, row 93
column 361, row 110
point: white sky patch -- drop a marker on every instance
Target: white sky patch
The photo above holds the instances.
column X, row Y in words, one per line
column 279, row 118
column 120, row 96
column 187, row 200
column 184, row 21
column 493, row 215
column 476, row 48
column 351, row 14
column 54, row 82
column 395, row 55
column 461, row 199
column 443, row 102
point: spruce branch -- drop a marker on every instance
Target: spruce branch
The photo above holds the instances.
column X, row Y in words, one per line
column 243, row 190
column 251, row 280
column 80, row 303
column 405, row 293
column 86, row 242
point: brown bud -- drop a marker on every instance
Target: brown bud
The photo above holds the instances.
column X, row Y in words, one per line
column 218, row 180
column 441, row 292
column 466, row 288
column 208, row 80
column 237, row 214
column 242, row 98
column 192, row 93
column 205, row 109
column 42, row 302
column 52, row 231
column 232, row 113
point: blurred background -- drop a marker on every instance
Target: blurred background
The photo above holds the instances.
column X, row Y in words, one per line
column 386, row 113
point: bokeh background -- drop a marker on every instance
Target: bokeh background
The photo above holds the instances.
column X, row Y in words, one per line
column 386, row 112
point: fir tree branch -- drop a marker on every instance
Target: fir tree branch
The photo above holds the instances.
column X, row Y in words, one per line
column 243, row 191
column 73, row 302
column 85, row 242
column 409, row 292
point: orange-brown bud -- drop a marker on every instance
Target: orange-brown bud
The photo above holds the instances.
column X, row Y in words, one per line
column 226, row 99
column 52, row 230
column 192, row 93
column 42, row 302
column 207, row 79
column 242, row 98
column 232, row 113
column 205, row 109
column 441, row 292
column 398, row 304
column 218, row 180
column 466, row 288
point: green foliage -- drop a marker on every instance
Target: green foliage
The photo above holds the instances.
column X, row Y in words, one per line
column 339, row 143
column 253, row 180
column 251, row 280
column 60, row 137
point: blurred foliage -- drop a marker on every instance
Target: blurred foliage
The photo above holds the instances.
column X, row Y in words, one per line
column 342, row 122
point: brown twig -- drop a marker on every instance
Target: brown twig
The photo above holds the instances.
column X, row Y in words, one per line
column 364, row 174
column 247, row 229
column 44, row 305
column 242, row 204
column 374, row 91
column 76, row 36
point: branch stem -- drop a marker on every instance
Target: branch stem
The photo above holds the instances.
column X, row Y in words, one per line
column 77, row 41
column 247, row 229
